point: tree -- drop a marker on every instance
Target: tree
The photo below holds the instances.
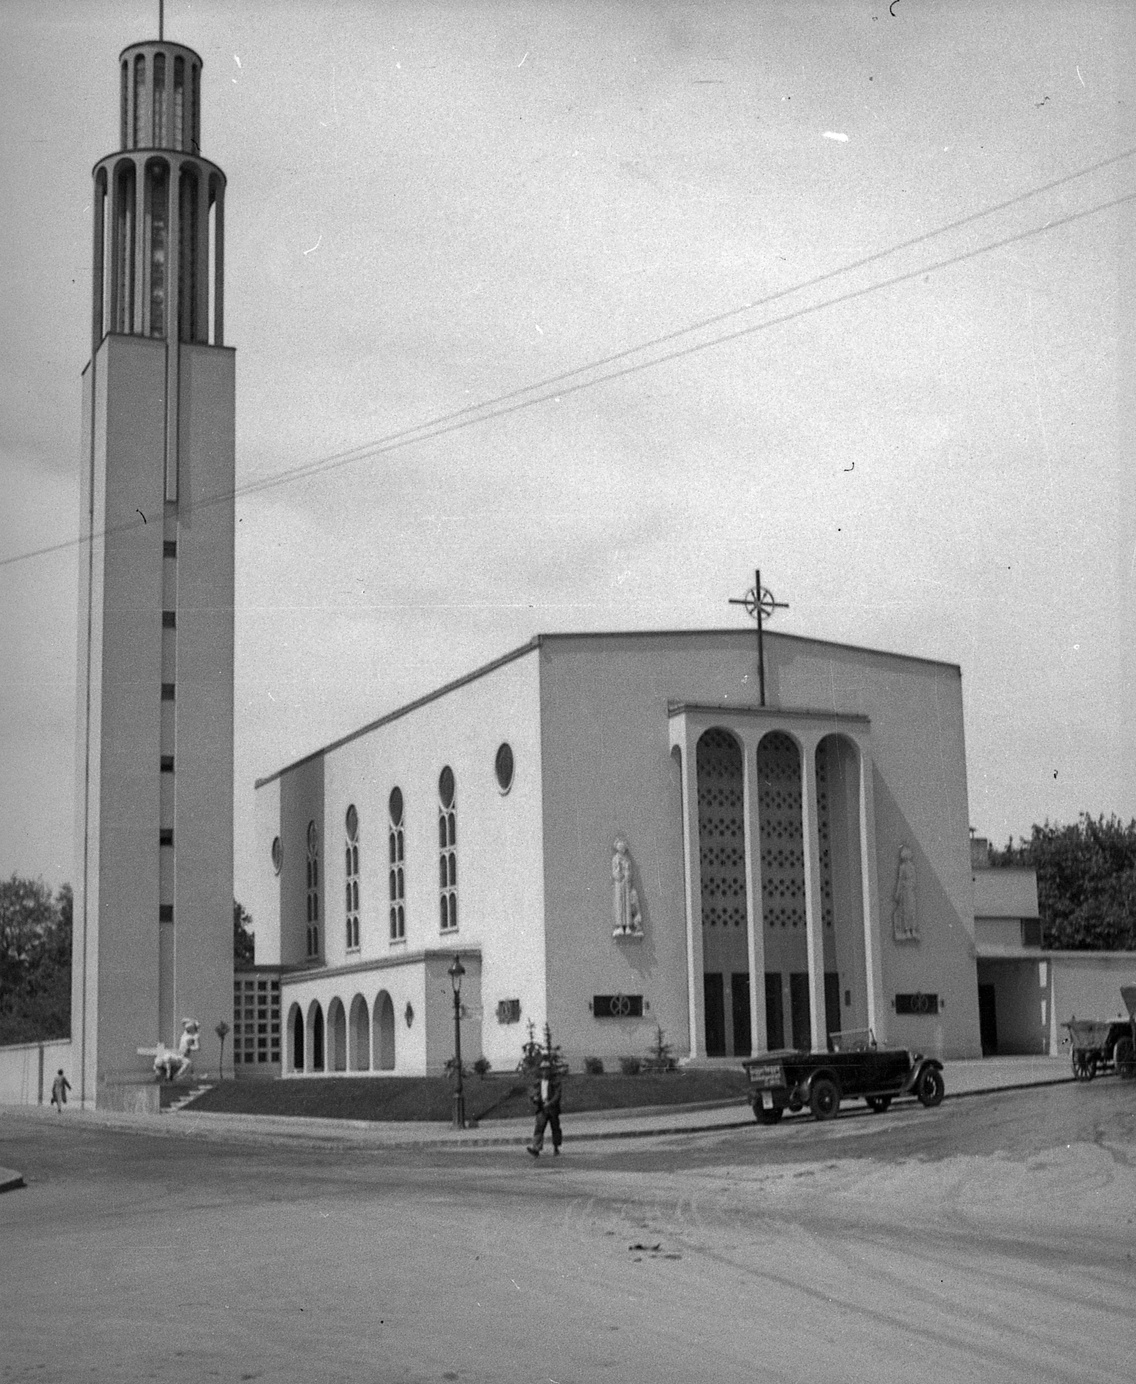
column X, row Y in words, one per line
column 1086, row 881
column 244, row 943
column 35, row 961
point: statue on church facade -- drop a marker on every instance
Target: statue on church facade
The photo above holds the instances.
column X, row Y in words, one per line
column 904, row 920
column 626, row 914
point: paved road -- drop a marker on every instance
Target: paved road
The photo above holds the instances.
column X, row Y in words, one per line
column 992, row 1239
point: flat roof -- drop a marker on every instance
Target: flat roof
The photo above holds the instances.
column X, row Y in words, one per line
column 538, row 640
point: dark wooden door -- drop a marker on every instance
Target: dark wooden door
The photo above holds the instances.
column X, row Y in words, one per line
column 714, row 997
column 800, row 1011
column 739, row 1012
column 987, row 1021
column 831, row 1003
column 774, row 1012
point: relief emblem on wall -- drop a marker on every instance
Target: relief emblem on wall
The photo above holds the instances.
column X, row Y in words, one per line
column 626, row 914
column 904, row 918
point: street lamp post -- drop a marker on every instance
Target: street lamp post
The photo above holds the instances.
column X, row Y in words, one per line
column 456, row 971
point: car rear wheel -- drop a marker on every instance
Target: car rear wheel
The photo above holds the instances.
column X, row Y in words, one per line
column 768, row 1117
column 1084, row 1065
column 1124, row 1055
column 930, row 1087
column 824, row 1101
column 878, row 1103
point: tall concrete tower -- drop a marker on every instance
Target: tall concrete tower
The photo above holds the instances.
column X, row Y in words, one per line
column 154, row 775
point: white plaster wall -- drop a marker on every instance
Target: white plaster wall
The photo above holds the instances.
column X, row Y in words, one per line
column 26, row 1075
column 499, row 847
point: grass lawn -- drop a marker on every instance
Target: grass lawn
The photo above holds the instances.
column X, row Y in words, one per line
column 431, row 1098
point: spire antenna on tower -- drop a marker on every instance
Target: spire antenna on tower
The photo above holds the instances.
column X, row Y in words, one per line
column 161, row 20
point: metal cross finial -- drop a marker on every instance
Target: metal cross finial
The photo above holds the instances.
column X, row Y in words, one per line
column 759, row 605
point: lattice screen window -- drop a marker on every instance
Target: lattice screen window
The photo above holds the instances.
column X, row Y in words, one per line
column 352, row 864
column 256, row 1019
column 824, row 833
column 721, row 830
column 782, row 837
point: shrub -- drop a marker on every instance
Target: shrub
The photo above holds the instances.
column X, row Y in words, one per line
column 593, row 1066
column 660, row 1055
column 482, row 1066
column 630, row 1066
column 534, row 1053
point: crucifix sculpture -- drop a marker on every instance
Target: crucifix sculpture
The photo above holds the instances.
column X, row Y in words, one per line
column 760, row 605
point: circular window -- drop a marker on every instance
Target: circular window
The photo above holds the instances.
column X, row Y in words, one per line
column 313, row 837
column 396, row 807
column 503, row 764
column 277, row 854
column 352, row 823
column 446, row 787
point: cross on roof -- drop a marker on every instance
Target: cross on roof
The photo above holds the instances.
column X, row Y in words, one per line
column 759, row 605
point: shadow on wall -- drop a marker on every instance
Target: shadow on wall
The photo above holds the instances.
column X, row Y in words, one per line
column 942, row 961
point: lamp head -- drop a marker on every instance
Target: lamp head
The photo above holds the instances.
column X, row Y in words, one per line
column 455, row 973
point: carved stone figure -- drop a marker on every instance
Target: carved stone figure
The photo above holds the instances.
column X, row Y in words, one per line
column 170, row 1065
column 624, row 899
column 904, row 920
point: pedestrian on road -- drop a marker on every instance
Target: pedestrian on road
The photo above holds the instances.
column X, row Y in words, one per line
column 546, row 1099
column 59, row 1088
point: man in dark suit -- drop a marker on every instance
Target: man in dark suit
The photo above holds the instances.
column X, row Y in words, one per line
column 546, row 1099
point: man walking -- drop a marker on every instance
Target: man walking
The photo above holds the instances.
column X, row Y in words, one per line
column 59, row 1088
column 546, row 1099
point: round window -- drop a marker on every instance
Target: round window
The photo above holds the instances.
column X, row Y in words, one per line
column 313, row 838
column 446, row 787
column 504, row 767
column 396, row 807
column 277, row 854
column 352, row 823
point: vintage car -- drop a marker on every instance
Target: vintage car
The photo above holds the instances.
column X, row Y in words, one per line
column 854, row 1069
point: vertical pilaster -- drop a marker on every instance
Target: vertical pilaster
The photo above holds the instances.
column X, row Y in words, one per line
column 814, row 921
column 692, row 875
column 869, row 876
column 755, row 912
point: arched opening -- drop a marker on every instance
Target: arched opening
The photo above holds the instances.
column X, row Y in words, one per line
column 336, row 1036
column 384, row 1033
column 122, row 264
column 296, row 1039
column 722, row 872
column 782, row 852
column 315, row 1038
column 359, row 1036
column 157, row 214
column 837, row 766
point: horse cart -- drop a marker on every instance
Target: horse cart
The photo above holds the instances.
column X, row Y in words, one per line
column 1105, row 1045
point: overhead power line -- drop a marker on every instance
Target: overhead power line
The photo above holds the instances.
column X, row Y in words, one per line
column 570, row 382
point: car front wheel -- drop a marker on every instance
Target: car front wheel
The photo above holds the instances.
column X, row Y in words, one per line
column 824, row 1101
column 930, row 1087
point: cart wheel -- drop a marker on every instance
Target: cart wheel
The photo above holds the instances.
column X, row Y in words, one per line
column 1124, row 1055
column 824, row 1101
column 1084, row 1065
column 768, row 1117
column 878, row 1103
column 930, row 1087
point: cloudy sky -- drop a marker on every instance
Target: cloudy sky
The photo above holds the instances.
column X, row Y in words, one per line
column 434, row 205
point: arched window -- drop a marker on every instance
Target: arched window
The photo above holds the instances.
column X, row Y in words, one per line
column 397, row 877
column 313, row 892
column 447, row 851
column 351, row 852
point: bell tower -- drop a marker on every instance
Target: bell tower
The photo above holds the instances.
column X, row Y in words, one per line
column 154, row 775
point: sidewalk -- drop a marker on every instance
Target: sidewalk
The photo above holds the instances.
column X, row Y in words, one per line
column 963, row 1079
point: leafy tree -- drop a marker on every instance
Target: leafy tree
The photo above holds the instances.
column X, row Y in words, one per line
column 1086, row 881
column 244, row 943
column 35, row 961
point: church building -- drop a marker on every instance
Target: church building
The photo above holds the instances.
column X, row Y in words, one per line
column 620, row 832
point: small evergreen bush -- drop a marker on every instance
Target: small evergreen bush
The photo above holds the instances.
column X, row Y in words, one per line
column 630, row 1066
column 593, row 1066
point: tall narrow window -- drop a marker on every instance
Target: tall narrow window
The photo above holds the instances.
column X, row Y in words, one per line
column 397, row 878
column 313, row 892
column 352, row 862
column 195, row 108
column 159, row 100
column 179, row 103
column 447, row 851
column 187, row 255
column 125, row 102
column 139, row 98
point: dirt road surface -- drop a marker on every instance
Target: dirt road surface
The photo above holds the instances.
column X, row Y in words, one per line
column 989, row 1240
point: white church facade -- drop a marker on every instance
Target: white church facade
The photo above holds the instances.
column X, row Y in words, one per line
column 614, row 834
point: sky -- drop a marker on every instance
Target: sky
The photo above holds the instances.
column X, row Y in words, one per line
column 435, row 205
